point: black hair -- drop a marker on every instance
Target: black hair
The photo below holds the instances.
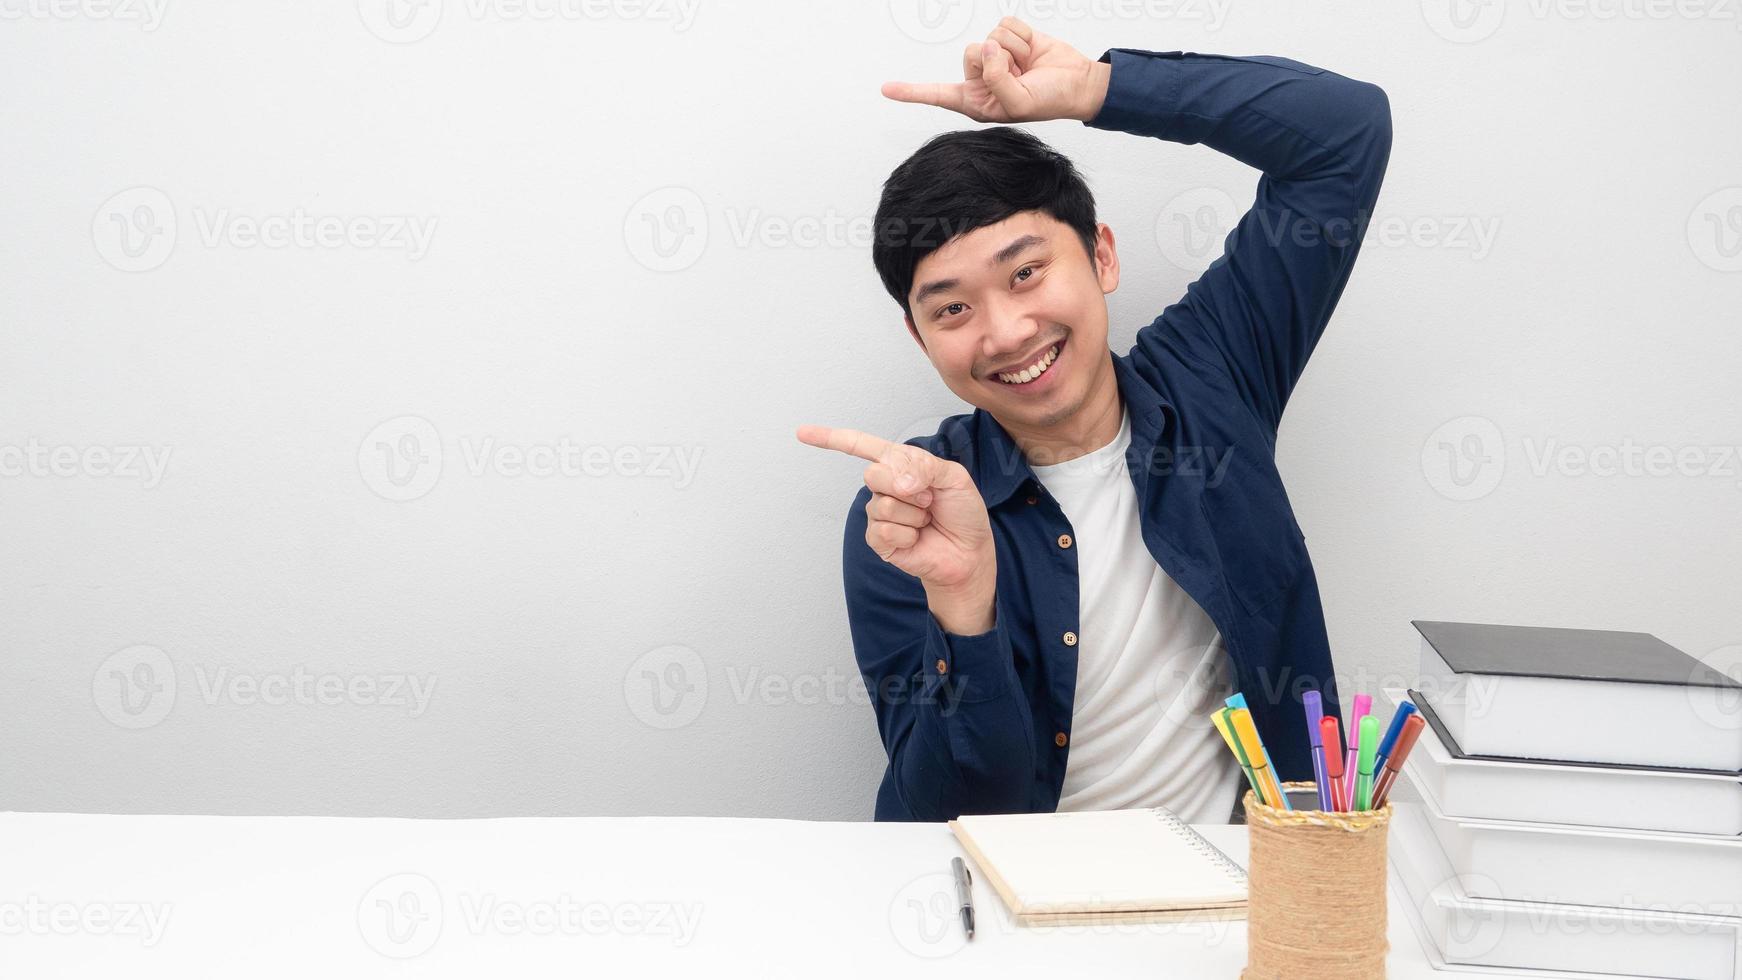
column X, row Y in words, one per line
column 961, row 181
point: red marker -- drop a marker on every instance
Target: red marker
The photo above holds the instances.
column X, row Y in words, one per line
column 1394, row 762
column 1333, row 761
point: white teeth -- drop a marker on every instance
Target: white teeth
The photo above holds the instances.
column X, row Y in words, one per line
column 1034, row 370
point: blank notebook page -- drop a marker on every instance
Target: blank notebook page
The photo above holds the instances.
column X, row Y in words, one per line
column 1101, row 860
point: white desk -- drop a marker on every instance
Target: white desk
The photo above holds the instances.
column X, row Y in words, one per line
column 679, row 897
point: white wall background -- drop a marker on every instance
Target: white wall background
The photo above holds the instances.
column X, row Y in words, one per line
column 1557, row 263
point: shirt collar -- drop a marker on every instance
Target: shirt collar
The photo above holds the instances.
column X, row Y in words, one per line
column 999, row 467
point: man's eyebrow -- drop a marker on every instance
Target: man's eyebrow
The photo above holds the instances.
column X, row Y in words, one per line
column 1016, row 248
column 1004, row 255
column 933, row 287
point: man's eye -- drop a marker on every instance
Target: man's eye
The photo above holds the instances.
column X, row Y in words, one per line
column 952, row 309
column 1024, row 273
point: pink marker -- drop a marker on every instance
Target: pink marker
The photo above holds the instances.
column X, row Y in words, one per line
column 1363, row 707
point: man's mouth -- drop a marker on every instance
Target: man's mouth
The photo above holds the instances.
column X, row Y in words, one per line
column 1041, row 366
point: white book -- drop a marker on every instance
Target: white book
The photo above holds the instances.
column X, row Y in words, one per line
column 1461, row 931
column 1068, row 868
column 1572, row 695
column 1622, row 797
column 1572, row 865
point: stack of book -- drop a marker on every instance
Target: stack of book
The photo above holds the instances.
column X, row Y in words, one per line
column 1580, row 805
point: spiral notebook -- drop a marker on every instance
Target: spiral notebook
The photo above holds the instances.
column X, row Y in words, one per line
column 1098, row 866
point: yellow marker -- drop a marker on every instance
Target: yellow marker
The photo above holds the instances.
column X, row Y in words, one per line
column 1219, row 718
column 1247, row 733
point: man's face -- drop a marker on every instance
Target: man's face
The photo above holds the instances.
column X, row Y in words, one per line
column 1014, row 317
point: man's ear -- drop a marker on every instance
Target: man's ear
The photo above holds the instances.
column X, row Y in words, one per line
column 1106, row 258
column 913, row 331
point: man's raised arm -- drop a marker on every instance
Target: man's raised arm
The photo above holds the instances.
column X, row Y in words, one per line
column 1322, row 142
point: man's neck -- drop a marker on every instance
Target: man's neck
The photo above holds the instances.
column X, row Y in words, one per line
column 1092, row 426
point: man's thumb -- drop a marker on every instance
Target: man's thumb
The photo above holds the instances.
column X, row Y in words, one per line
column 995, row 73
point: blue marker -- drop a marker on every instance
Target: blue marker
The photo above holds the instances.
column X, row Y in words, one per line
column 1238, row 703
column 1389, row 742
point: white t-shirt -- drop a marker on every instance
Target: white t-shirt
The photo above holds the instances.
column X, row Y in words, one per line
column 1150, row 662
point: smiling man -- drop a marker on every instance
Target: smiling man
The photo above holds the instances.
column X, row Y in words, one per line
column 1049, row 595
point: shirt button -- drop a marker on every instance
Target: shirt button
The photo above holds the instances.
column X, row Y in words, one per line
column 1033, row 500
column 1064, row 541
column 943, row 668
column 1060, row 739
column 1070, row 641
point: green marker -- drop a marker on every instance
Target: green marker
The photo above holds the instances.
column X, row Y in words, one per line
column 1364, row 766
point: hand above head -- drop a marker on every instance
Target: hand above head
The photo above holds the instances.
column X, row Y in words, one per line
column 927, row 518
column 1017, row 74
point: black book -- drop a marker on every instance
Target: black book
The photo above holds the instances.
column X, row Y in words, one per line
column 1574, row 695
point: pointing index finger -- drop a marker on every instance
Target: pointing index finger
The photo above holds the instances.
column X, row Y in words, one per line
column 944, row 95
column 849, row 441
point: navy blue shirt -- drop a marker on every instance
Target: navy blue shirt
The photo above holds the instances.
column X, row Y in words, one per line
column 981, row 724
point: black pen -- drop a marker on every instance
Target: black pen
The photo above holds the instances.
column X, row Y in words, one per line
column 964, row 894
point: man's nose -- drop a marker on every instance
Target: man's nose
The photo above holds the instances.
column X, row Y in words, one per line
column 1012, row 332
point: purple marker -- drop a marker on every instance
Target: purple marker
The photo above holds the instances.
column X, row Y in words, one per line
column 1315, row 712
column 1363, row 707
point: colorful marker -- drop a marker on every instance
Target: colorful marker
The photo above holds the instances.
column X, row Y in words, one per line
column 1238, row 703
column 1363, row 706
column 1394, row 762
column 1315, row 712
column 1364, row 765
column 1247, row 733
column 1220, row 720
column 1389, row 742
column 1333, row 756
